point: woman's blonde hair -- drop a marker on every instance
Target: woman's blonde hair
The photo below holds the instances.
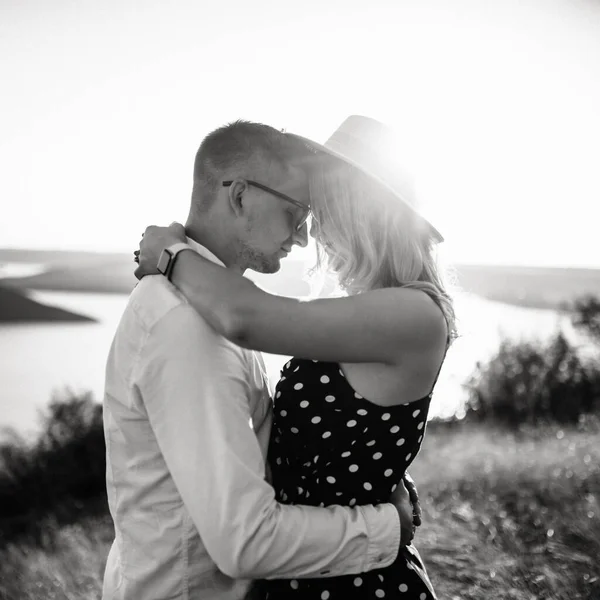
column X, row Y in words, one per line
column 369, row 239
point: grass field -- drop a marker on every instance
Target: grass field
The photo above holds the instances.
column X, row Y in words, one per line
column 511, row 517
column 505, row 517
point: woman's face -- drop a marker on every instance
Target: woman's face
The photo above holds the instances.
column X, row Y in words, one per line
column 319, row 234
column 332, row 193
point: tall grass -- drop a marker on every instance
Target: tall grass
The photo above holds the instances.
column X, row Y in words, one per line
column 508, row 516
column 511, row 515
column 67, row 564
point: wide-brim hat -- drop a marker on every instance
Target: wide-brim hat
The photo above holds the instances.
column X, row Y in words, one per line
column 368, row 145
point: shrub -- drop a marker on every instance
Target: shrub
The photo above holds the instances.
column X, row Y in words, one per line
column 62, row 473
column 585, row 316
column 529, row 383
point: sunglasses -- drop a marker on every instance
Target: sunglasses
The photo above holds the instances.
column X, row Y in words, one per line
column 305, row 209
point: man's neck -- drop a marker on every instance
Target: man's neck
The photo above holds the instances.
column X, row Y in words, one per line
column 216, row 244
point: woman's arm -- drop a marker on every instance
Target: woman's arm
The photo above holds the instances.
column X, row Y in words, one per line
column 377, row 326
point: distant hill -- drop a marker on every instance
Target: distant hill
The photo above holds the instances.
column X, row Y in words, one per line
column 73, row 271
column 17, row 307
column 536, row 287
column 113, row 273
column 55, row 257
column 107, row 275
column 539, row 287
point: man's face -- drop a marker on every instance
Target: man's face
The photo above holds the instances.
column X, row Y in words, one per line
column 270, row 229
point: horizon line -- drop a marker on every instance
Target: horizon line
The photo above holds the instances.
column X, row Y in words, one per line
column 297, row 259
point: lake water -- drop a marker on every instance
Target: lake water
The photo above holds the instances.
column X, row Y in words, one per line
column 41, row 359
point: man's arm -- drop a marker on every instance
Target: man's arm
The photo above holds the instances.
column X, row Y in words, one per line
column 195, row 388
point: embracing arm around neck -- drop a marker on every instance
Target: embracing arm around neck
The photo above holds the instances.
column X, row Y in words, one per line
column 380, row 326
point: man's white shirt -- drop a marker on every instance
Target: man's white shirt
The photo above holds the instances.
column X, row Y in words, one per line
column 187, row 418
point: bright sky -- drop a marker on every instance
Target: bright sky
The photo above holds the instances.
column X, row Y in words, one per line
column 104, row 103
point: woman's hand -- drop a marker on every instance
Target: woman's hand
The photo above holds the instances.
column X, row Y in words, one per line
column 154, row 240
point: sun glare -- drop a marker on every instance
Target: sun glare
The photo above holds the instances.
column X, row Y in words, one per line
column 496, row 110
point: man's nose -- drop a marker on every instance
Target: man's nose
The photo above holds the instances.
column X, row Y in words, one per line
column 301, row 236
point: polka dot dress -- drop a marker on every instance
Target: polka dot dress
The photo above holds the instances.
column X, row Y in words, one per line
column 329, row 445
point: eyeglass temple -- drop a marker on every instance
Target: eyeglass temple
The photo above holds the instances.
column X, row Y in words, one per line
column 272, row 191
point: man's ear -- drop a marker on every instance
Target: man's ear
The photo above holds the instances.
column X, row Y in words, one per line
column 235, row 195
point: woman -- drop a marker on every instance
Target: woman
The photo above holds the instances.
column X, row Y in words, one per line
column 351, row 407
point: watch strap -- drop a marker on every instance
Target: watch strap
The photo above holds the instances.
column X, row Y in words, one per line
column 167, row 259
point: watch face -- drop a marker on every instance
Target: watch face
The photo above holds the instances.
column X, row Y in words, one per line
column 163, row 261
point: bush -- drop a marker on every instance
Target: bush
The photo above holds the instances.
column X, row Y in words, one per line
column 530, row 383
column 61, row 474
column 585, row 316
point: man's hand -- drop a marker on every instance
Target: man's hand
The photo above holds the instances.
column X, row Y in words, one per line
column 411, row 486
column 406, row 500
column 401, row 500
column 154, row 241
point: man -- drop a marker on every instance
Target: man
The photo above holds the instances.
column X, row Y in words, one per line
column 187, row 414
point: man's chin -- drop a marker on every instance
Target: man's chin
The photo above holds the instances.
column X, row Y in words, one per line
column 268, row 267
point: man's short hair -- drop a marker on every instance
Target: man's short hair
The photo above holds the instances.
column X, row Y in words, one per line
column 234, row 150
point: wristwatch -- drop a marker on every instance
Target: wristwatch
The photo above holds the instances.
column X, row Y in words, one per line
column 166, row 262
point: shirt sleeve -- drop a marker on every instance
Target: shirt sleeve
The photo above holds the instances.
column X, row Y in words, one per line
column 195, row 388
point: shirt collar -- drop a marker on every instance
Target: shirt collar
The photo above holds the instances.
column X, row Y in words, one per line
column 200, row 249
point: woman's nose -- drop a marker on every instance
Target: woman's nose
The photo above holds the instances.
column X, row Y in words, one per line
column 301, row 236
